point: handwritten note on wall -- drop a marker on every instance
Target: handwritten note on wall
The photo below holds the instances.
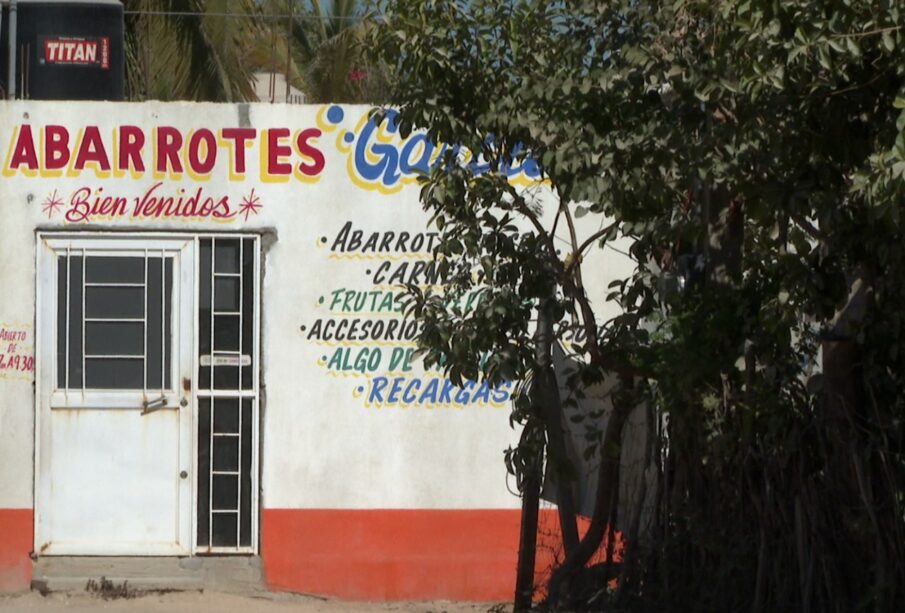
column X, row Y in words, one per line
column 17, row 351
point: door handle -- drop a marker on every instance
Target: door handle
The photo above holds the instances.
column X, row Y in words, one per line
column 149, row 406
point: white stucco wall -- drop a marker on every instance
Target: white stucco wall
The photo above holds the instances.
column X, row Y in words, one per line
column 323, row 446
column 17, row 305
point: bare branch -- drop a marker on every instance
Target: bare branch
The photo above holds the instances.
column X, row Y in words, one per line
column 600, row 233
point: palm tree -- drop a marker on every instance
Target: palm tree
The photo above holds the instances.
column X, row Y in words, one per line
column 211, row 49
column 190, row 49
column 328, row 45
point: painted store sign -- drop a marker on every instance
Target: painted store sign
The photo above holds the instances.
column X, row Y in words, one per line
column 161, row 156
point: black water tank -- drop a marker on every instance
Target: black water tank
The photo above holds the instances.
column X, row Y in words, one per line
column 67, row 49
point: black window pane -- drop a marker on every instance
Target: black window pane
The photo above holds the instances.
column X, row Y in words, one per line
column 246, row 477
column 108, row 373
column 226, row 294
column 154, row 308
column 226, row 415
column 226, row 255
column 114, row 302
column 115, row 269
column 226, row 453
column 224, row 530
column 114, row 338
column 75, row 322
column 204, row 310
column 203, row 485
column 225, row 496
column 226, row 333
column 62, row 288
column 226, row 377
column 204, row 269
column 248, row 310
column 168, row 281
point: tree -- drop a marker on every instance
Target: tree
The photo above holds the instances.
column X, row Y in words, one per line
column 327, row 43
column 210, row 50
column 196, row 50
column 755, row 153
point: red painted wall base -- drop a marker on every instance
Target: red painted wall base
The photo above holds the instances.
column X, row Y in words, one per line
column 392, row 554
column 15, row 545
column 415, row 554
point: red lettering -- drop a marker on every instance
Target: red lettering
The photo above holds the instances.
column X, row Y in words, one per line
column 307, row 150
column 169, row 141
column 24, row 151
column 91, row 149
column 221, row 209
column 210, row 151
column 78, row 206
column 131, row 141
column 83, row 205
column 276, row 151
column 239, row 136
column 56, row 147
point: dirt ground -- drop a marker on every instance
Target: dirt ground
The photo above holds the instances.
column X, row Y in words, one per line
column 213, row 602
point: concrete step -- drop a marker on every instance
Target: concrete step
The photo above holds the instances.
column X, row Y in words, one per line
column 236, row 574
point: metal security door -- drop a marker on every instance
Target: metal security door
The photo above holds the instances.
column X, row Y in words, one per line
column 114, row 436
column 227, row 394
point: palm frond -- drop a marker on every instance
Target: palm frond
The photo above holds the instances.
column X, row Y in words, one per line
column 191, row 51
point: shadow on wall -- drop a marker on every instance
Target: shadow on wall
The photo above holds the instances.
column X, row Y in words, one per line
column 583, row 429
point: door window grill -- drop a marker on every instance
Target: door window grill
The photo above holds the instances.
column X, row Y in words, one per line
column 114, row 325
column 227, row 394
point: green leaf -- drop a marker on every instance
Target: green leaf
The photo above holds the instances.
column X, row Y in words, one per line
column 852, row 46
column 823, row 56
column 567, row 86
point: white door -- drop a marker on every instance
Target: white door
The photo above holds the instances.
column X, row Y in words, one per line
column 114, row 461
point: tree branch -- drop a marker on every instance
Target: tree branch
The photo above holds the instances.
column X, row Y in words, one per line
column 868, row 33
column 522, row 207
column 587, row 243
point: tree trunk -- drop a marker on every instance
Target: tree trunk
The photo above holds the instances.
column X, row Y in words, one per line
column 524, row 578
